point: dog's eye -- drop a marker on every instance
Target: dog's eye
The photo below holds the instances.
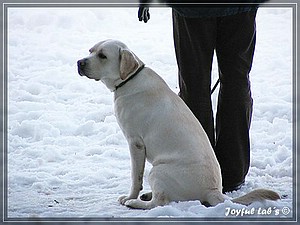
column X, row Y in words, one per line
column 102, row 56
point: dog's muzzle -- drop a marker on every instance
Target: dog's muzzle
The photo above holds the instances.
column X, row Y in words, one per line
column 81, row 65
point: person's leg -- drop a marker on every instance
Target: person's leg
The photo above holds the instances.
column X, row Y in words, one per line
column 235, row 49
column 194, row 41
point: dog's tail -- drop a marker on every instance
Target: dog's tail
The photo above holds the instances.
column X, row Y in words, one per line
column 257, row 195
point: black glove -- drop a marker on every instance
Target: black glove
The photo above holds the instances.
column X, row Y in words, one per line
column 144, row 14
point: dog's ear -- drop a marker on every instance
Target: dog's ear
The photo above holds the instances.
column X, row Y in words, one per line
column 129, row 63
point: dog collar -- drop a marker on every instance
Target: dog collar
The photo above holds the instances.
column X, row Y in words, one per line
column 132, row 76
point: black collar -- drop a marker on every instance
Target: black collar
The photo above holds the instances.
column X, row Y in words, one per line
column 132, row 76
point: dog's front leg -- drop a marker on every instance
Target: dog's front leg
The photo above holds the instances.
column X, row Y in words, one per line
column 138, row 157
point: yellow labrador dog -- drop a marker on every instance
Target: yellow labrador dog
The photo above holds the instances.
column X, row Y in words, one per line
column 159, row 127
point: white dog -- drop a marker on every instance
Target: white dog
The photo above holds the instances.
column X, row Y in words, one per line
column 159, row 127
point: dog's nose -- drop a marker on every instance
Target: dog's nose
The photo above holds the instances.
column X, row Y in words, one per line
column 81, row 66
column 81, row 63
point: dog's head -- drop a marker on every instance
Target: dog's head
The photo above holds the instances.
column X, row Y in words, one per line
column 111, row 62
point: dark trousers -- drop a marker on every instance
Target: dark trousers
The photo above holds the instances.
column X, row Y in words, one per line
column 233, row 40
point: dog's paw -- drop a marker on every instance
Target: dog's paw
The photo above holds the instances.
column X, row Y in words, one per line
column 133, row 204
column 122, row 200
column 139, row 204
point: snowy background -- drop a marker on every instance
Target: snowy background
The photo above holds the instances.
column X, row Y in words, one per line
column 67, row 156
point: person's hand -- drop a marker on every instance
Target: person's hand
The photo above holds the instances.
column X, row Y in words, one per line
column 143, row 14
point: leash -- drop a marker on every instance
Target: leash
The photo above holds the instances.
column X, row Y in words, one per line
column 215, row 86
column 142, row 67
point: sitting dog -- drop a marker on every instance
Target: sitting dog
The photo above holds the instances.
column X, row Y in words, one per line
column 159, row 127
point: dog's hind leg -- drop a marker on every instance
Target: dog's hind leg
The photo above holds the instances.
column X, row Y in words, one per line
column 146, row 196
column 214, row 198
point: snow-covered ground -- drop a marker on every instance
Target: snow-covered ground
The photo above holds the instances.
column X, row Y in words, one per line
column 67, row 156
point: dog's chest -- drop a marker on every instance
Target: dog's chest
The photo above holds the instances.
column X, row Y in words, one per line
column 133, row 115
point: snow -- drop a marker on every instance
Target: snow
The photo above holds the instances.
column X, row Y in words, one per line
column 67, row 156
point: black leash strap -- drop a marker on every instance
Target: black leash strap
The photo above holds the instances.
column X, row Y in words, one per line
column 215, row 86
